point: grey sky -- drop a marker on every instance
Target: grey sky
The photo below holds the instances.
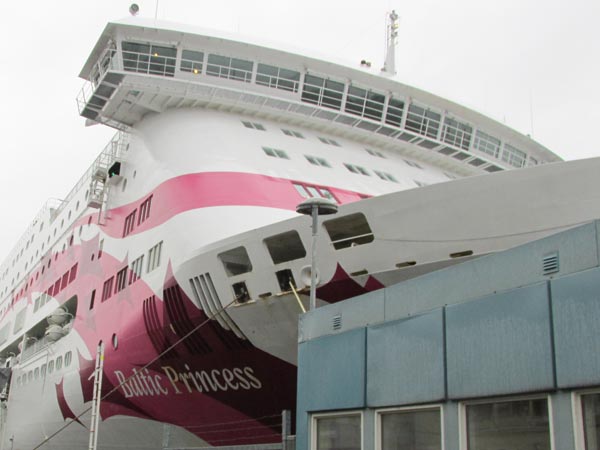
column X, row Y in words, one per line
column 505, row 59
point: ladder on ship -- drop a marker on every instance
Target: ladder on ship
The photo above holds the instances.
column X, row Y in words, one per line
column 95, row 419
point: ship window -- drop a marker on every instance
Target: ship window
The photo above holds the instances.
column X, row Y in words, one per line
column 285, row 247
column 328, row 141
column 375, row 153
column 36, row 373
column 50, row 366
column 100, row 247
column 73, row 273
column 423, row 120
column 191, row 61
column 385, row 176
column 231, row 68
column 457, row 133
column 107, row 289
column 514, row 156
column 364, row 103
column 412, row 164
column 356, row 169
column 323, row 92
column 59, row 363
column 275, row 153
column 92, row 298
column 349, row 231
column 68, row 357
column 315, row 160
column 151, row 59
column 236, row 261
column 292, row 133
column 19, row 321
column 115, row 341
column 30, row 376
column 43, row 371
column 301, row 190
column 136, row 269
column 487, row 144
column 145, row 210
column 394, row 112
column 154, row 257
column 253, row 125
column 277, row 77
column 121, row 280
column 420, row 183
column 129, row 223
column 4, row 332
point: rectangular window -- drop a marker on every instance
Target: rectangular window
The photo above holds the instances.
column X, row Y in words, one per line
column 394, row 112
column 100, row 247
column 487, row 144
column 514, row 156
column 129, row 223
column 307, row 191
column 412, row 164
column 136, row 269
column 230, row 68
column 315, row 160
column 73, row 274
column 149, row 58
column 292, row 133
column 121, row 280
column 457, row 133
column 374, row 153
column 154, row 257
column 285, row 247
column 328, row 141
column 144, row 210
column 254, row 125
column 423, row 121
column 364, row 103
column 92, row 298
column 107, row 289
column 337, row 432
column 517, row 424
column 590, row 414
column 191, row 61
column 414, row 429
column 322, row 91
column 235, row 261
column 277, row 77
column 385, row 176
column 349, row 231
column 275, row 153
column 356, row 169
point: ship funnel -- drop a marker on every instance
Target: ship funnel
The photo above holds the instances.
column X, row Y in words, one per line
column 389, row 67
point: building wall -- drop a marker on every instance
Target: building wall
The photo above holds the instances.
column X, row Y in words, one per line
column 530, row 336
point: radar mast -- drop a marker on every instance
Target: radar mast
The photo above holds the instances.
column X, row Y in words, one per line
column 389, row 66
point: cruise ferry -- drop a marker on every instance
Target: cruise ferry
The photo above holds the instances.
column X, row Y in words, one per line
column 156, row 306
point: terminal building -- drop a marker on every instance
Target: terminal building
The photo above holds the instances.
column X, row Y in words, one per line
column 497, row 353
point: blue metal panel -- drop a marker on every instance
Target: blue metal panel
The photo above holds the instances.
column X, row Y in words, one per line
column 500, row 344
column 576, row 313
column 405, row 361
column 331, row 371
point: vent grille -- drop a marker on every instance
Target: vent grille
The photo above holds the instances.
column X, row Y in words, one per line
column 336, row 323
column 206, row 296
column 550, row 264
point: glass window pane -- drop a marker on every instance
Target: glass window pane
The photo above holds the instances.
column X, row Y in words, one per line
column 521, row 424
column 338, row 433
column 591, row 421
column 414, row 430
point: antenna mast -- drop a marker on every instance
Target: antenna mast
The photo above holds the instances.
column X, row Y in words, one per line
column 389, row 67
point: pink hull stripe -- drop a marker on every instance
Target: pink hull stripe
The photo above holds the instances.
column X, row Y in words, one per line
column 203, row 190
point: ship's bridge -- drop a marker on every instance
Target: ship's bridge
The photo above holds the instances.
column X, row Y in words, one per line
column 143, row 66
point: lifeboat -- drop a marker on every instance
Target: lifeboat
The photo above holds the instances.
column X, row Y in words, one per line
column 55, row 332
column 59, row 317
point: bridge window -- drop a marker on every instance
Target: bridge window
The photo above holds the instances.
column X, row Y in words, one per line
column 457, row 133
column 148, row 58
column 394, row 112
column 349, row 231
column 322, row 91
column 231, row 68
column 423, row 121
column 277, row 77
column 514, row 156
column 191, row 61
column 365, row 103
column 486, row 144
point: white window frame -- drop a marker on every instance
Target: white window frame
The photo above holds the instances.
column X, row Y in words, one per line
column 462, row 414
column 380, row 412
column 316, row 416
column 577, row 408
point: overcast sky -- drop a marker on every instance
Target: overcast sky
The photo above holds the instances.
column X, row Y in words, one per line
column 534, row 65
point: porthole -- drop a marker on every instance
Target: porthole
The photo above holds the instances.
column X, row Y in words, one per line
column 115, row 341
